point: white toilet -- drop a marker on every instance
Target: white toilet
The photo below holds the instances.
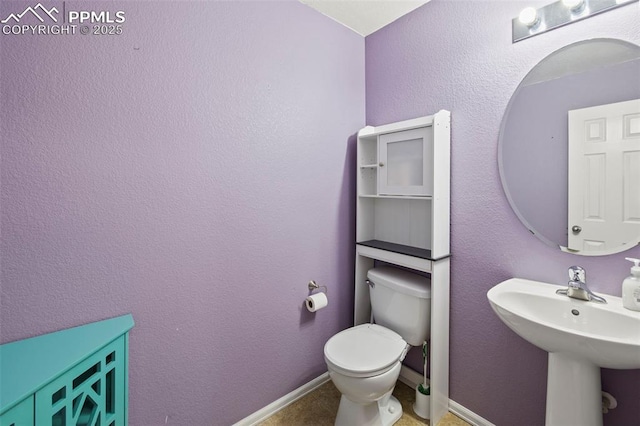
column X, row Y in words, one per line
column 364, row 361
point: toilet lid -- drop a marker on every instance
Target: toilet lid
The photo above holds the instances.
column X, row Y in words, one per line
column 364, row 350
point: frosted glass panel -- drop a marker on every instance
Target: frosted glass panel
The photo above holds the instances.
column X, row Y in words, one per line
column 405, row 163
column 405, row 159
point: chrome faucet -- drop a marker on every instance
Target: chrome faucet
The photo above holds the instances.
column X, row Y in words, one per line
column 577, row 286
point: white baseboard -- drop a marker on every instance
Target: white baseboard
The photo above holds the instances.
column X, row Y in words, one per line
column 411, row 378
column 291, row 397
column 408, row 376
column 468, row 415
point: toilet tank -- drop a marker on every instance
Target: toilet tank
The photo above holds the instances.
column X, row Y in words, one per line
column 401, row 301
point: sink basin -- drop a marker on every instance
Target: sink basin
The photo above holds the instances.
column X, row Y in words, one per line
column 580, row 337
column 605, row 334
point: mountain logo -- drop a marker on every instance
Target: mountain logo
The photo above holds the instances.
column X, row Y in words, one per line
column 33, row 11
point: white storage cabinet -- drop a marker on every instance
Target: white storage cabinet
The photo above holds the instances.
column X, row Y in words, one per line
column 402, row 218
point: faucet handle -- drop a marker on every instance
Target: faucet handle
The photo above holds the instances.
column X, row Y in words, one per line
column 577, row 273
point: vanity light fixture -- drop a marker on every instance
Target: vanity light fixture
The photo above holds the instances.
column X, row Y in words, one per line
column 574, row 5
column 533, row 21
column 529, row 17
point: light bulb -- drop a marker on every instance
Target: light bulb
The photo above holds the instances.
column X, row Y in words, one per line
column 529, row 16
column 573, row 4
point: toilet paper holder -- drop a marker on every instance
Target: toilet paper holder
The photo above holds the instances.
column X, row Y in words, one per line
column 314, row 286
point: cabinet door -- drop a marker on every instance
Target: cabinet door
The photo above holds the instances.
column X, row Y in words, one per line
column 405, row 166
column 91, row 393
column 20, row 415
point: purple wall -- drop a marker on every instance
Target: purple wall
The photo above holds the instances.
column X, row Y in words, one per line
column 196, row 171
column 458, row 55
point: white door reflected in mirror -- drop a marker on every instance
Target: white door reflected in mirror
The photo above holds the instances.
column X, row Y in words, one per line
column 604, row 177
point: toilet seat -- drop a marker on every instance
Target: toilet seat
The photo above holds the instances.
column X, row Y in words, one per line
column 365, row 350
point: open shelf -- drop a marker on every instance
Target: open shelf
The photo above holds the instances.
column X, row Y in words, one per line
column 404, row 220
column 398, row 197
column 400, row 248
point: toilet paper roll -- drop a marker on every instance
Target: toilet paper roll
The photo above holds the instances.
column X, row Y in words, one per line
column 316, row 301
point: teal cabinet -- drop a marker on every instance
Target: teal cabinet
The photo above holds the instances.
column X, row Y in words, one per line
column 90, row 393
column 19, row 415
column 73, row 377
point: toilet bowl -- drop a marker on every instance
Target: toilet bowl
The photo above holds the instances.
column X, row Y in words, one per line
column 364, row 361
column 364, row 364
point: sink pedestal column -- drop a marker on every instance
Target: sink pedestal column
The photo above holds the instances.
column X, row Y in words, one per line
column 574, row 394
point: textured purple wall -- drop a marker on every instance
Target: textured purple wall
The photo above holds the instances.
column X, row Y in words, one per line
column 458, row 55
column 195, row 171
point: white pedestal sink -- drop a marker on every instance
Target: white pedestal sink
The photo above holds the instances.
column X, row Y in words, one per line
column 581, row 337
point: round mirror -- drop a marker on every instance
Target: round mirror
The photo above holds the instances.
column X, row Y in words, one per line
column 569, row 148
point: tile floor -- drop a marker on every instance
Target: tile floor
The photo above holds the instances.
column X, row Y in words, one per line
column 319, row 408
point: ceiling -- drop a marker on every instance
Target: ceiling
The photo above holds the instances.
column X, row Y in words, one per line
column 364, row 16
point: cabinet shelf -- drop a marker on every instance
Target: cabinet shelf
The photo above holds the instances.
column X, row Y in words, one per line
column 397, row 197
column 402, row 249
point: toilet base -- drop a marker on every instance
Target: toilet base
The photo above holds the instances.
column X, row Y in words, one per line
column 377, row 413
